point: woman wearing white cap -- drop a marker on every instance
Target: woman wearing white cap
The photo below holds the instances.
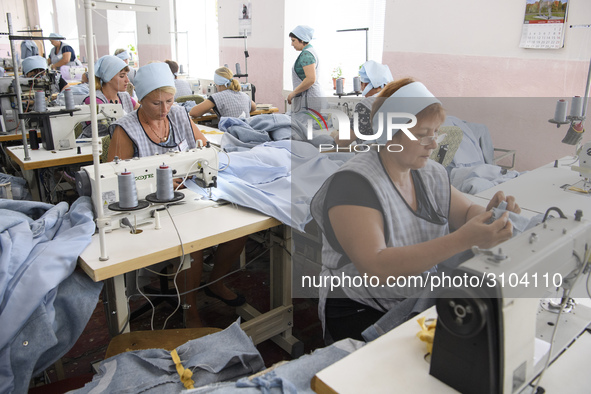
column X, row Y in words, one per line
column 61, row 54
column 374, row 76
column 35, row 67
column 111, row 88
column 228, row 101
column 155, row 128
column 304, row 74
column 389, row 214
column 125, row 56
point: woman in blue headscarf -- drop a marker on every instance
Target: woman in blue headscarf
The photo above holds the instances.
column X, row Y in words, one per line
column 306, row 89
column 61, row 54
column 156, row 127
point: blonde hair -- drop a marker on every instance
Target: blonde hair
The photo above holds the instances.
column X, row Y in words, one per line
column 118, row 51
column 228, row 74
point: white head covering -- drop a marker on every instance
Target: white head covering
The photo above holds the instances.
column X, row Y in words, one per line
column 410, row 99
column 376, row 75
column 304, row 33
column 56, row 36
column 107, row 67
column 33, row 62
column 219, row 80
column 123, row 55
column 151, row 77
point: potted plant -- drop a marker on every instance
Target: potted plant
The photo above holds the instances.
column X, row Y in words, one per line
column 337, row 72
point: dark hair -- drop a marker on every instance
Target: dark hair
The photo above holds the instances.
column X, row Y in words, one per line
column 174, row 67
column 294, row 36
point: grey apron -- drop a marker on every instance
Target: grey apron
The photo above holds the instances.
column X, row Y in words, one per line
column 311, row 98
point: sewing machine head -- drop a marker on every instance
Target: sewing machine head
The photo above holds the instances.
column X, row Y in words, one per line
column 58, row 124
column 201, row 162
column 488, row 331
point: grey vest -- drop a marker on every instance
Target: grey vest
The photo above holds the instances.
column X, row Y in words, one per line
column 231, row 103
column 180, row 130
column 312, row 97
column 403, row 226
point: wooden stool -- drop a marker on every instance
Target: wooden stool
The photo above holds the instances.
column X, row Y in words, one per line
column 160, row 339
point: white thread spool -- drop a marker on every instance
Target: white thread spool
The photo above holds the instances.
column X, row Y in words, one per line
column 576, row 108
column 69, row 98
column 356, row 84
column 560, row 112
column 127, row 190
column 40, row 104
column 164, row 186
column 340, row 86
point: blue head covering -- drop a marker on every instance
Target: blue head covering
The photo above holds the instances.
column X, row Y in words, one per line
column 123, row 55
column 32, row 63
column 304, row 33
column 376, row 75
column 221, row 81
column 56, row 36
column 151, row 77
column 107, row 67
column 410, row 99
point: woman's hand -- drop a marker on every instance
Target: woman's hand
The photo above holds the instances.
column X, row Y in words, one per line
column 499, row 197
column 478, row 232
column 177, row 183
column 290, row 97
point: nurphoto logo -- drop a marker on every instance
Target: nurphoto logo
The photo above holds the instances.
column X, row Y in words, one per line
column 393, row 121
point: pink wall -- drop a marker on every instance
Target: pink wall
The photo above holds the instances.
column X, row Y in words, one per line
column 513, row 97
column 265, row 71
column 150, row 52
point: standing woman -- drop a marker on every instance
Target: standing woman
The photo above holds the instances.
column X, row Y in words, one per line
column 61, row 54
column 229, row 101
column 111, row 84
column 304, row 74
column 157, row 127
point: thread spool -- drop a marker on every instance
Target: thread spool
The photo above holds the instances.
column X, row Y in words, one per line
column 238, row 71
column 69, row 98
column 576, row 108
column 181, row 70
column 356, row 84
column 33, row 140
column 127, row 190
column 40, row 104
column 560, row 112
column 164, row 186
column 340, row 86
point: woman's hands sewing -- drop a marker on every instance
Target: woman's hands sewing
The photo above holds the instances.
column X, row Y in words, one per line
column 177, row 183
column 499, row 197
column 479, row 232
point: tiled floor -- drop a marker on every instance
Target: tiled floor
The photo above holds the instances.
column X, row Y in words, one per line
column 252, row 282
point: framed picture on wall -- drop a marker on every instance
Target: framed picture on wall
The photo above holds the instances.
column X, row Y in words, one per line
column 544, row 24
column 245, row 19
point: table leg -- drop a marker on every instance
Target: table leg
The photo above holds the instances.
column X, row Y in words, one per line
column 115, row 302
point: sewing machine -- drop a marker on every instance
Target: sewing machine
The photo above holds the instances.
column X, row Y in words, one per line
column 57, row 124
column 201, row 162
column 584, row 167
column 8, row 102
column 490, row 334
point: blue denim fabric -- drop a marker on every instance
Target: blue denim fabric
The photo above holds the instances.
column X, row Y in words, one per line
column 40, row 244
column 520, row 223
column 279, row 179
column 292, row 377
column 226, row 355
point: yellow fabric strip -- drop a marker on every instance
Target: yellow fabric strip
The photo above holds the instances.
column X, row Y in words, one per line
column 211, row 131
column 427, row 332
column 184, row 374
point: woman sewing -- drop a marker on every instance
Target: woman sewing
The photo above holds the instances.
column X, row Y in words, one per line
column 373, row 76
column 156, row 127
column 61, row 54
column 390, row 214
column 228, row 101
column 111, row 88
column 36, row 67
column 306, row 89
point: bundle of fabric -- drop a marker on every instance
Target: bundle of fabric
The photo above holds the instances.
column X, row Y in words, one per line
column 44, row 307
column 276, row 178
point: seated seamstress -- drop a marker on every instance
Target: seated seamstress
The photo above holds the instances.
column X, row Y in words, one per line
column 154, row 128
column 111, row 88
column 399, row 220
column 36, row 67
column 229, row 100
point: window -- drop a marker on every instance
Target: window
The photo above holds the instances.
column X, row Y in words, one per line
column 345, row 49
column 197, row 48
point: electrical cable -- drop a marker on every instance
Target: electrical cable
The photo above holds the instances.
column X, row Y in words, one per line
column 182, row 262
column 562, row 305
column 562, row 216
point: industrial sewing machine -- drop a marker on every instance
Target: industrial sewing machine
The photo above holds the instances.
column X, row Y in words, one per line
column 584, row 167
column 489, row 335
column 8, row 101
column 58, row 124
column 200, row 162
